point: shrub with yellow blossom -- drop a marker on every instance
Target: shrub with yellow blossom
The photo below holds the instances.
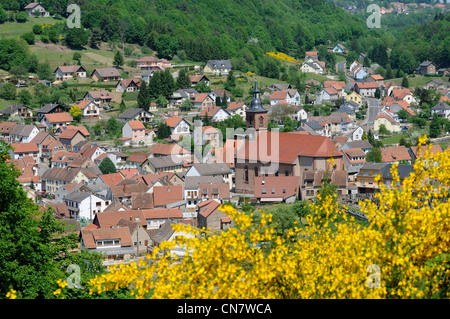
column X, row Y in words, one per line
column 407, row 239
column 283, row 57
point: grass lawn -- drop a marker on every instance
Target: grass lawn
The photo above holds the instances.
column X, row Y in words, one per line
column 418, row 80
column 392, row 140
column 15, row 29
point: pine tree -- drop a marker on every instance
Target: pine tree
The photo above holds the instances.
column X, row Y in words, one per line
column 144, row 98
column 118, row 59
column 405, row 82
column 183, row 80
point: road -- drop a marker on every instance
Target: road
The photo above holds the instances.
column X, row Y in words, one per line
column 372, row 110
column 341, row 66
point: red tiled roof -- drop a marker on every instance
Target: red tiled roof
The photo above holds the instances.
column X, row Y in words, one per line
column 290, row 146
column 162, row 213
column 273, row 186
column 394, row 154
column 59, row 117
column 112, row 179
column 136, row 125
column 25, row 147
column 173, row 121
column 165, row 195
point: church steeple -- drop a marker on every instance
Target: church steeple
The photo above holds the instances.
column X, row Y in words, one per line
column 256, row 114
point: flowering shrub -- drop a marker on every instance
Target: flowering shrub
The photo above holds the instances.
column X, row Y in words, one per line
column 282, row 56
column 333, row 256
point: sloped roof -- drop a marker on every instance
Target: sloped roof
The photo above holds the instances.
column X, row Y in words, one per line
column 290, row 146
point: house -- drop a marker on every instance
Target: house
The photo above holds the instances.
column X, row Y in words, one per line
column 215, row 113
column 217, row 67
column 276, row 189
column 102, row 97
column 366, row 89
column 134, row 130
column 156, row 217
column 300, row 115
column 208, row 135
column 327, row 94
column 322, row 128
column 350, row 108
column 155, row 165
column 113, row 243
column 291, row 97
column 354, row 97
column 67, row 72
column 85, row 205
column 444, row 71
column 388, row 121
column 36, row 9
column 237, row 108
column 403, row 94
column 16, row 110
column 202, row 101
column 160, row 149
column 146, row 75
column 128, row 85
column 166, row 233
column 437, row 84
column 279, row 87
column 71, row 137
column 426, row 67
column 55, row 177
column 136, row 114
column 196, row 79
column 89, row 109
column 105, row 74
column 312, row 180
column 364, row 145
column 211, row 169
column 360, row 73
column 442, row 109
column 92, row 151
column 313, row 55
column 210, row 217
column 50, row 109
column 192, row 194
column 56, row 120
column 23, row 133
column 153, row 64
column 367, row 173
column 413, row 151
column 354, row 158
column 178, row 97
column 178, row 125
column 19, row 150
column 317, row 67
column 136, row 160
column 375, row 78
column 339, row 48
column 290, row 154
column 139, row 235
column 119, row 159
column 395, row 154
column 5, row 130
column 168, row 196
column 220, row 94
column 124, row 190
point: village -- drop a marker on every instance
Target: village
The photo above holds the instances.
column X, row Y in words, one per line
column 123, row 194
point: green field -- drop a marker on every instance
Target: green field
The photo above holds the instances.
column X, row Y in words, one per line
column 418, row 80
column 15, row 29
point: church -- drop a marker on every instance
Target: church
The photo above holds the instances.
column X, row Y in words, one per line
column 270, row 153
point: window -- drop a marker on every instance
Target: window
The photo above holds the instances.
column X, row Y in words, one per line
column 261, row 121
column 273, row 190
column 246, row 174
column 256, row 171
column 284, row 190
column 264, row 191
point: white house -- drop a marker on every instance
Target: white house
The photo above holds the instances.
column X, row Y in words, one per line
column 89, row 109
column 36, row 9
column 237, row 108
column 216, row 113
column 178, row 125
column 300, row 115
column 23, row 133
column 56, row 120
column 290, row 97
column 442, row 109
column 67, row 72
column 218, row 67
column 212, row 170
column 85, row 205
column 357, row 134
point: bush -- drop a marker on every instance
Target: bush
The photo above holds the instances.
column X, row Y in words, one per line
column 29, row 37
